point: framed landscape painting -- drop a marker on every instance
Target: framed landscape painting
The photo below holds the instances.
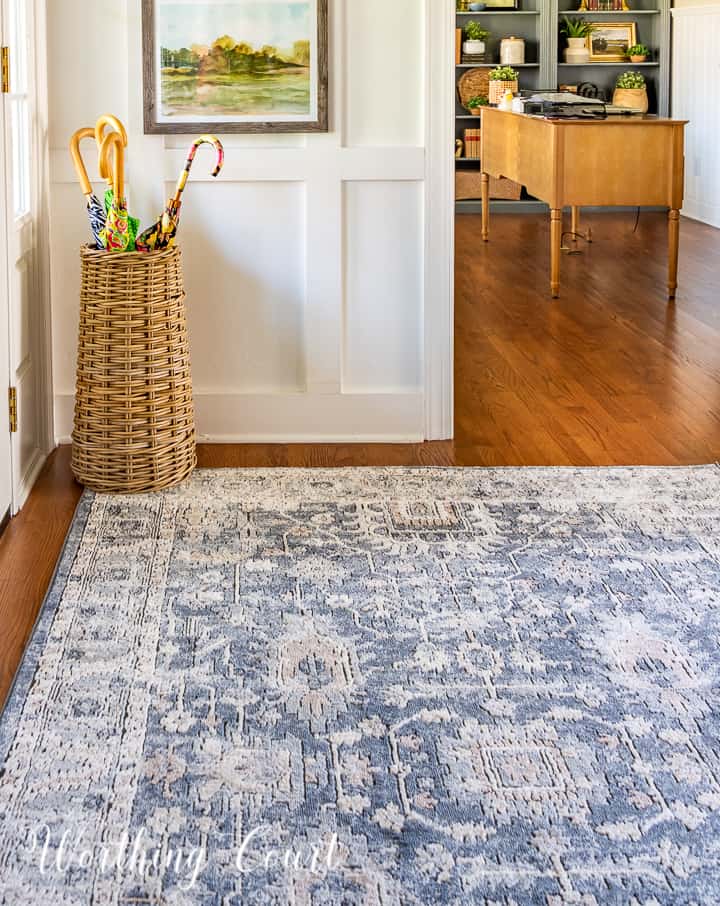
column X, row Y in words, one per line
column 243, row 66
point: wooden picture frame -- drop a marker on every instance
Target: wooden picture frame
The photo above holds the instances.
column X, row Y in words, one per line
column 616, row 35
column 162, row 119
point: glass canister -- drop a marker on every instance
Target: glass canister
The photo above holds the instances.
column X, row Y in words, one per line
column 512, row 51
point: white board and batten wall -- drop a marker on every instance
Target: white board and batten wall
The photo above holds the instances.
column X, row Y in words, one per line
column 319, row 267
column 696, row 97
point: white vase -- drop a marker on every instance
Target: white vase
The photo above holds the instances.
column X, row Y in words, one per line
column 577, row 51
column 474, row 47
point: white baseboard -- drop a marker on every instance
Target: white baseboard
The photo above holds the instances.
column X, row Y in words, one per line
column 28, row 480
column 699, row 210
column 293, row 418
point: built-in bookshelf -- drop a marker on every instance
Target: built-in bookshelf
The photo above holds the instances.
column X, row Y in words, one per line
column 538, row 23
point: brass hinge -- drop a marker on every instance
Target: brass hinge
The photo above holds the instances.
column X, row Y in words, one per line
column 12, row 406
column 5, row 69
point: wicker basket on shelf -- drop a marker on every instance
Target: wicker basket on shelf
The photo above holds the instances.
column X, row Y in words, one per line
column 498, row 90
column 468, row 187
column 474, row 83
column 134, row 417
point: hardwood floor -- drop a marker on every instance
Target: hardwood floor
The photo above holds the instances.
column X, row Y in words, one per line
column 609, row 374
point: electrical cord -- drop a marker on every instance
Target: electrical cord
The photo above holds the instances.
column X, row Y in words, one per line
column 637, row 221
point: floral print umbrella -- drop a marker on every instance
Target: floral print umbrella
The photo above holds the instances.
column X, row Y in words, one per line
column 117, row 236
column 161, row 235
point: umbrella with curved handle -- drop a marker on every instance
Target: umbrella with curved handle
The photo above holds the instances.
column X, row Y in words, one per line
column 161, row 235
column 107, row 119
column 96, row 212
column 117, row 235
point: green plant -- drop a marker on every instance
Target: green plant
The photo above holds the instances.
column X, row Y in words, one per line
column 630, row 80
column 478, row 101
column 504, row 74
column 575, row 28
column 638, row 50
column 475, row 32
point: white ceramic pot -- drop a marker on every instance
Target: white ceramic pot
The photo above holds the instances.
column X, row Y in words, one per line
column 512, row 52
column 474, row 47
column 577, row 51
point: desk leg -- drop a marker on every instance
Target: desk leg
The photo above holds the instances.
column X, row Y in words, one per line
column 674, row 235
column 575, row 226
column 485, row 195
column 556, row 229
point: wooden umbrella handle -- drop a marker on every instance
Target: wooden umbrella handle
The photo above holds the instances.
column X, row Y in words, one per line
column 114, row 140
column 107, row 119
column 79, row 163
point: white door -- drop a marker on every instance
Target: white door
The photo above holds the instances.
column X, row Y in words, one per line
column 5, row 456
column 24, row 304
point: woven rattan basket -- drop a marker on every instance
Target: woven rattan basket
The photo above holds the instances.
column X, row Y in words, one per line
column 134, row 417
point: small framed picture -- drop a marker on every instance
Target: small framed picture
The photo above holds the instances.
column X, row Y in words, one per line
column 253, row 66
column 608, row 42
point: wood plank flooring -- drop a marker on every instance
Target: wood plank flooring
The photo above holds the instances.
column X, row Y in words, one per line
column 607, row 375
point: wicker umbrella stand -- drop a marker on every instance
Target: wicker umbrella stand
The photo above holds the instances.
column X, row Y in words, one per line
column 134, row 417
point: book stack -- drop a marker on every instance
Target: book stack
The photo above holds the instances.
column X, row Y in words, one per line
column 474, row 58
column 472, row 144
column 603, row 5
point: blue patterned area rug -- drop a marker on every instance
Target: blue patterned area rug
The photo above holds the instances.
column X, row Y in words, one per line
column 375, row 687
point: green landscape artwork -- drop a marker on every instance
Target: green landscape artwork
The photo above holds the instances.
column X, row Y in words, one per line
column 244, row 61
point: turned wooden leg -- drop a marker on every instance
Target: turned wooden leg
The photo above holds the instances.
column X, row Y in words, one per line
column 575, row 227
column 674, row 240
column 556, row 229
column 485, row 206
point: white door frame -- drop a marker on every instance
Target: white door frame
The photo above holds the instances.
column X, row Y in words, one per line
column 46, row 416
column 32, row 233
column 440, row 219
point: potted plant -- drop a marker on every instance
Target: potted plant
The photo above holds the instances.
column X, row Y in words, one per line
column 576, row 32
column 631, row 91
column 638, row 53
column 475, row 105
column 502, row 79
column 475, row 37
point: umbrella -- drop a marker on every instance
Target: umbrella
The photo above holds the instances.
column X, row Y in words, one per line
column 96, row 212
column 117, row 235
column 161, row 234
column 107, row 119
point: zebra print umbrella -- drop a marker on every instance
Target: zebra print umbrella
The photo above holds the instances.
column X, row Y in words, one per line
column 96, row 211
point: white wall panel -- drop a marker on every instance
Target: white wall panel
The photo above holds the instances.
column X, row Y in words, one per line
column 696, row 97
column 305, row 260
column 385, row 73
column 87, row 64
column 244, row 265
column 383, row 286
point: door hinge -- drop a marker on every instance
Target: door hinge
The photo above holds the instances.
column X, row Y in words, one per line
column 5, row 58
column 12, row 406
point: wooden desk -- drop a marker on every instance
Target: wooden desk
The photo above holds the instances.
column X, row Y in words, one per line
column 571, row 163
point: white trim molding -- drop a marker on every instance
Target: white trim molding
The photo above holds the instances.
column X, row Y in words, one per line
column 696, row 97
column 342, row 417
column 440, row 222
